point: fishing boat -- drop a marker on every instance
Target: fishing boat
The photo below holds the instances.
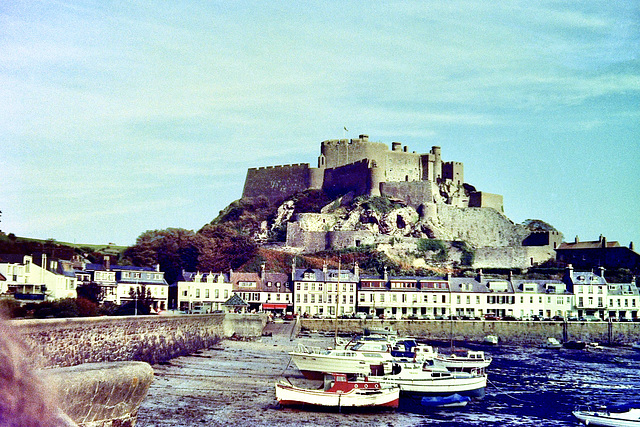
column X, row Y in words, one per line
column 471, row 361
column 453, row 401
column 616, row 416
column 340, row 392
column 575, row 345
column 428, row 379
column 313, row 362
column 490, row 340
column 551, row 343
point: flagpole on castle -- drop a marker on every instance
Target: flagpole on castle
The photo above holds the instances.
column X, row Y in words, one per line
column 344, row 130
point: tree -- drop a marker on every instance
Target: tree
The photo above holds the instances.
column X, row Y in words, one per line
column 91, row 291
column 174, row 249
column 224, row 248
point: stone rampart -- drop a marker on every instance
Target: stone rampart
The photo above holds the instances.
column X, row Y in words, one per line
column 277, row 182
column 517, row 332
column 152, row 339
column 413, row 193
column 354, row 177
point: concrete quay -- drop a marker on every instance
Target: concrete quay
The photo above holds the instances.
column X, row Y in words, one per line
column 509, row 332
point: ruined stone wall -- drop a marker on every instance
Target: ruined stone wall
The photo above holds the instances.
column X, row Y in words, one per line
column 413, row 193
column 479, row 226
column 522, row 257
column 481, row 199
column 314, row 241
column 152, row 339
column 517, row 332
column 277, row 182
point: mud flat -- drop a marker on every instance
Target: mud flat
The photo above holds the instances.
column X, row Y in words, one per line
column 233, row 384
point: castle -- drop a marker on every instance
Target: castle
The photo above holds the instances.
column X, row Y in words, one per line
column 364, row 167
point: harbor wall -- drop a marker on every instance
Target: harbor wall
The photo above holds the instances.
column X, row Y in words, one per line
column 516, row 332
column 152, row 339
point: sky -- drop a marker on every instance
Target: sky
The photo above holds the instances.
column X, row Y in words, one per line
column 118, row 117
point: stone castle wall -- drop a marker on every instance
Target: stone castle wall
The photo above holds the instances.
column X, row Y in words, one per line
column 152, row 339
column 354, row 177
column 522, row 257
column 413, row 193
column 479, row 226
column 278, row 182
column 481, row 199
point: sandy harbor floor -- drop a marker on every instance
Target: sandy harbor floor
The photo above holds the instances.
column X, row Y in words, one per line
column 233, row 384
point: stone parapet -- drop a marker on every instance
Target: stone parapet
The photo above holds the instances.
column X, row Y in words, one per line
column 102, row 394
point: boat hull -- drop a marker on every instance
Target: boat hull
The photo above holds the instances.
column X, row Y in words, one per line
column 313, row 365
column 599, row 418
column 388, row 398
column 472, row 386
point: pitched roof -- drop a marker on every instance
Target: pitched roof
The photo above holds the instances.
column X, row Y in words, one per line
column 596, row 244
column 235, row 301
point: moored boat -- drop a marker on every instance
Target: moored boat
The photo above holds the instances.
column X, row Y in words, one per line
column 340, row 393
column 575, row 345
column 313, row 362
column 490, row 340
column 617, row 416
column 551, row 343
column 426, row 379
column 472, row 360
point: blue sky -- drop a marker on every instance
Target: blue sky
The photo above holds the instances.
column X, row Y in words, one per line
column 116, row 118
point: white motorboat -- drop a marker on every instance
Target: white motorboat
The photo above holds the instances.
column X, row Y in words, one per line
column 472, row 360
column 622, row 416
column 340, row 393
column 313, row 362
column 490, row 340
column 551, row 343
column 425, row 378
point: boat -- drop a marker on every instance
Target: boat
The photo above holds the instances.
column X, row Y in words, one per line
column 340, row 392
column 551, row 343
column 314, row 362
column 490, row 340
column 452, row 401
column 619, row 416
column 575, row 345
column 470, row 361
column 428, row 379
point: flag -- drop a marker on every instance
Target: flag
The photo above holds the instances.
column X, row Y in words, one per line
column 345, row 128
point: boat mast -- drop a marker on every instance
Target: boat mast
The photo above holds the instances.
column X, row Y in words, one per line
column 335, row 335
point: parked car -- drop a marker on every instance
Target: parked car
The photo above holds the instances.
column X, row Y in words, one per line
column 491, row 317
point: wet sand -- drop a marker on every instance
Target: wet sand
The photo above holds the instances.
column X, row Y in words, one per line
column 233, row 384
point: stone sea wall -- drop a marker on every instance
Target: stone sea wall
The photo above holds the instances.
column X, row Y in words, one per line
column 152, row 339
column 517, row 332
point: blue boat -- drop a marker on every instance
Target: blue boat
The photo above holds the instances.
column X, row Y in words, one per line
column 451, row 401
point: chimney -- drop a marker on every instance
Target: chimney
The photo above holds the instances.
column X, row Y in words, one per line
column 356, row 271
column 480, row 276
column 386, row 275
column 631, row 245
column 324, row 267
column 157, row 267
column 601, row 271
column 604, row 241
column 263, row 272
column 44, row 262
column 577, row 240
column 510, row 276
column 293, row 269
column 107, row 262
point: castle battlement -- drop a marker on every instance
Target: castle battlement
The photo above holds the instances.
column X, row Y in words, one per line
column 361, row 167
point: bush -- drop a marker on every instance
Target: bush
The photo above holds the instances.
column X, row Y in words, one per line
column 433, row 245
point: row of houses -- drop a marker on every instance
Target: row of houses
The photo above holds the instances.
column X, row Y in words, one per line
column 331, row 292
column 28, row 278
column 327, row 292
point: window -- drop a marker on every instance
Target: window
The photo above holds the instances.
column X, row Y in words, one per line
column 197, row 293
column 216, row 292
column 206, row 293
